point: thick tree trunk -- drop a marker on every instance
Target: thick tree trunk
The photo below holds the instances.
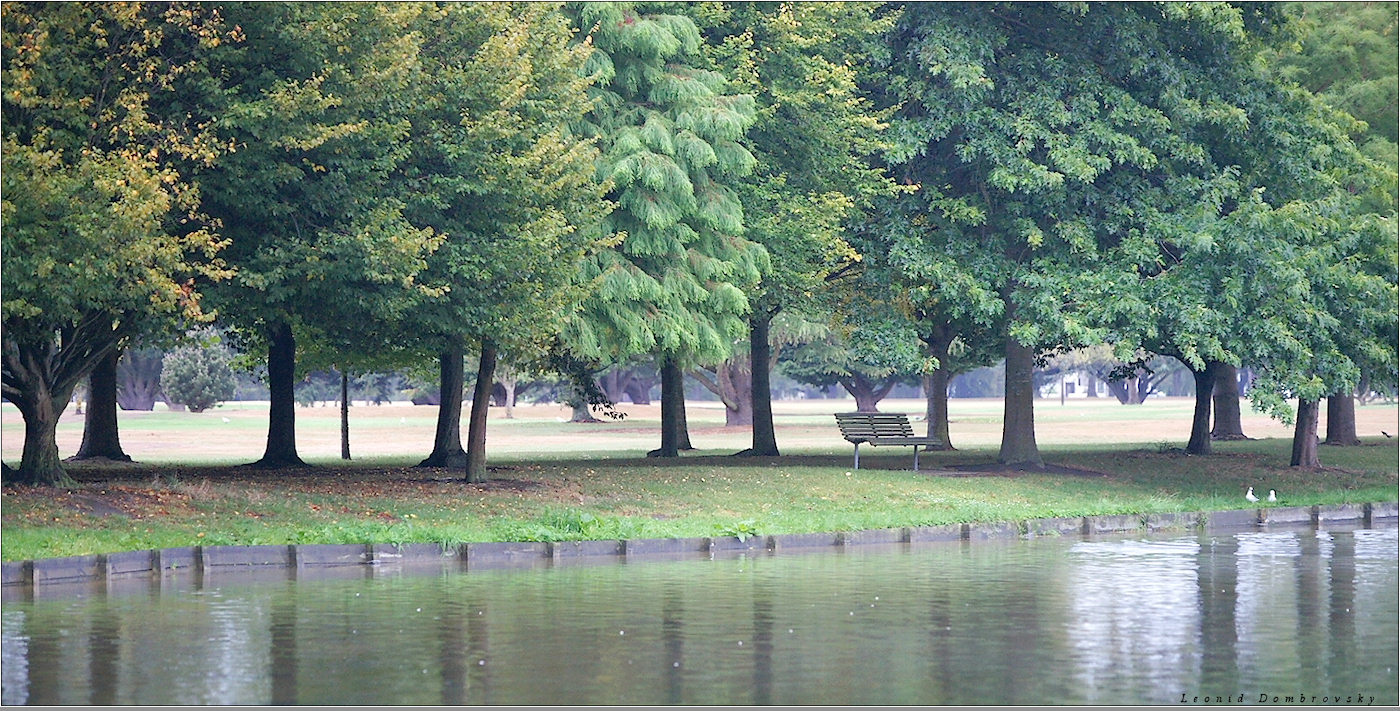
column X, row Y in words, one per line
column 447, row 438
column 765, row 440
column 1018, row 447
column 581, row 412
column 1091, row 385
column 100, row 435
column 639, row 391
column 39, row 460
column 672, row 409
column 138, row 379
column 282, row 411
column 936, row 414
column 1341, row 420
column 612, row 384
column 481, row 403
column 736, row 380
column 682, row 426
column 1305, row 436
column 938, row 343
column 344, row 415
column 1200, row 416
column 1227, row 403
column 732, row 384
column 867, row 394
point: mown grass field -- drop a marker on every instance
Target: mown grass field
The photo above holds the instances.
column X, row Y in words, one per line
column 553, row 480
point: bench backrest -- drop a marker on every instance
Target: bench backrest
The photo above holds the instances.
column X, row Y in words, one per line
column 864, row 425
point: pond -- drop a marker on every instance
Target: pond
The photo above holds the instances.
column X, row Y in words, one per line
column 1194, row 617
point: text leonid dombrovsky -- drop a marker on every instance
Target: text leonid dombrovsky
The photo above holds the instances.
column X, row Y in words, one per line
column 1299, row 699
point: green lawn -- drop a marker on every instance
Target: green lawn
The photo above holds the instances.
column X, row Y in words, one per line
column 554, row 480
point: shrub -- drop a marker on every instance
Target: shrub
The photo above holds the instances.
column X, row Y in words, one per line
column 198, row 376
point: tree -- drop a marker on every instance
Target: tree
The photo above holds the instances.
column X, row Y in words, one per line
column 671, row 138
column 1032, row 132
column 316, row 111
column 1347, row 55
column 497, row 168
column 813, row 138
column 198, row 375
column 138, row 377
column 868, row 357
column 98, row 147
column 101, row 439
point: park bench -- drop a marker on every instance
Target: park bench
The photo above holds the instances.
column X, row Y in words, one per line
column 879, row 429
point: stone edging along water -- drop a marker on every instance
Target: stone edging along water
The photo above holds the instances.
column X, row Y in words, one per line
column 235, row 559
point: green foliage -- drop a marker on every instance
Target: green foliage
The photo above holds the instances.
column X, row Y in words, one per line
column 198, row 375
column 105, row 235
column 813, row 135
column 1347, row 54
column 316, row 115
column 671, row 135
column 743, row 530
column 494, row 166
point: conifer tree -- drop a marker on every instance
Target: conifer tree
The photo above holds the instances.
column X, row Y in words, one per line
column 671, row 136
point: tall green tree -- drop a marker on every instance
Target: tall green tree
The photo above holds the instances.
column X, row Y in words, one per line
column 1030, row 131
column 104, row 234
column 671, row 135
column 1347, row 55
column 315, row 115
column 814, row 139
column 497, row 168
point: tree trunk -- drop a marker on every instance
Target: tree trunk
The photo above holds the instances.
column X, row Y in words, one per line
column 447, row 438
column 1018, row 447
column 1200, row 416
column 1227, row 403
column 639, row 391
column 481, row 403
column 614, row 384
column 100, row 435
column 509, row 380
column 581, row 411
column 39, row 462
column 682, row 427
column 138, row 378
column 736, row 379
column 936, row 414
column 1341, row 420
column 866, row 393
column 672, row 409
column 732, row 384
column 1091, row 385
column 344, row 415
column 282, row 411
column 765, row 440
column 938, row 343
column 1305, row 436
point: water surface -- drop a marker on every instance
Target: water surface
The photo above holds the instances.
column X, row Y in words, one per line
column 1046, row 621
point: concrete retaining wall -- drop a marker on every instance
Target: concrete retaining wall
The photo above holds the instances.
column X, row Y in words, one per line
column 249, row 559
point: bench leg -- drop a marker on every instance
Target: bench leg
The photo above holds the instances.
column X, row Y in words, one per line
column 916, row 457
column 857, row 466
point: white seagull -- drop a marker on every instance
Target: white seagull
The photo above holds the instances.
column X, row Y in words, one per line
column 1249, row 495
column 1272, row 497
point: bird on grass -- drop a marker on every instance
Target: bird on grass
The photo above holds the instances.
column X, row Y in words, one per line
column 1249, row 495
column 1272, row 496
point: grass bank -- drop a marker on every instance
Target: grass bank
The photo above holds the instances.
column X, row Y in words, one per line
column 621, row 495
